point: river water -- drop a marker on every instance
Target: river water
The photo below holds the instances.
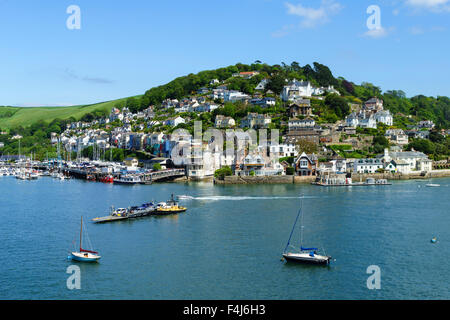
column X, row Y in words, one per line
column 228, row 244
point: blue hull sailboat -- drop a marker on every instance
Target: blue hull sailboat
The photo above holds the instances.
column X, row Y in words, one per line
column 84, row 255
column 304, row 255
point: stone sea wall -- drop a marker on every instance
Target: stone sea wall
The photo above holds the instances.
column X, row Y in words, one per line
column 308, row 179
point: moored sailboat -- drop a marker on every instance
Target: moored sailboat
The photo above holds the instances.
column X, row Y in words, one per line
column 304, row 254
column 84, row 255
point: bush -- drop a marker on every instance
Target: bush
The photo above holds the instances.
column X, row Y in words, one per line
column 223, row 172
column 157, row 167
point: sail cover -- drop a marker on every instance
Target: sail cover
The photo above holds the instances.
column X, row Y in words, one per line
column 309, row 249
column 88, row 251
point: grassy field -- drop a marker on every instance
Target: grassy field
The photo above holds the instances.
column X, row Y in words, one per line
column 11, row 117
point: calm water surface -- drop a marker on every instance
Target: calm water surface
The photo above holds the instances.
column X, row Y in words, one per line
column 228, row 244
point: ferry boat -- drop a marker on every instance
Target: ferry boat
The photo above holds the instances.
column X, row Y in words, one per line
column 169, row 207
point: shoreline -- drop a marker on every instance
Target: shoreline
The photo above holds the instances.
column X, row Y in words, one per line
column 233, row 180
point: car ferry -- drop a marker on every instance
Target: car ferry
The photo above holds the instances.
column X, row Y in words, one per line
column 169, row 207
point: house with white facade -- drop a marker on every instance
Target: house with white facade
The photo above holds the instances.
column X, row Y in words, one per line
column 397, row 136
column 297, row 124
column 175, row 121
column 416, row 161
column 367, row 165
column 233, row 96
column 263, row 102
column 361, row 119
column 385, row 117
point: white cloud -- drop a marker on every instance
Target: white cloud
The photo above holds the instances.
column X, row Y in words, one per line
column 416, row 31
column 432, row 5
column 312, row 17
column 378, row 33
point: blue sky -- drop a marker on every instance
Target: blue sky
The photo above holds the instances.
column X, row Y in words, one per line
column 126, row 47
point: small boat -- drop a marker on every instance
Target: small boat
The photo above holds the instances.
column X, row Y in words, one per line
column 434, row 240
column 128, row 179
column 304, row 255
column 169, row 207
column 433, row 185
column 107, row 179
column 84, row 255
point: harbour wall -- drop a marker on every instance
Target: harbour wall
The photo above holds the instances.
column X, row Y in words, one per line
column 356, row 177
column 265, row 180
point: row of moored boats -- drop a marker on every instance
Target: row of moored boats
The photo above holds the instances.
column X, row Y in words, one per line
column 30, row 174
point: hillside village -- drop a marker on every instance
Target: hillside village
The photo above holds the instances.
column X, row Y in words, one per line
column 364, row 138
column 306, row 146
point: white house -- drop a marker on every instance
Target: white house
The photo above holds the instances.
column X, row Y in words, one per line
column 384, row 117
column 174, row 121
column 367, row 165
column 283, row 150
column 233, row 96
column 339, row 165
column 361, row 119
column 295, row 124
column 412, row 160
column 297, row 89
column 397, row 136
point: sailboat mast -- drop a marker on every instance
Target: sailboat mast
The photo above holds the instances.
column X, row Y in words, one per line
column 292, row 231
column 81, row 232
column 301, row 223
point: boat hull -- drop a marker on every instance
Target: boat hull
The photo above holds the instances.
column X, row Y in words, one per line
column 307, row 259
column 169, row 211
column 84, row 257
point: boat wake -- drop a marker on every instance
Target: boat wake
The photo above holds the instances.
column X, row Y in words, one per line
column 235, row 198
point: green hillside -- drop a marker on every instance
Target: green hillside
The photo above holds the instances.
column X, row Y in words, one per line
column 11, row 117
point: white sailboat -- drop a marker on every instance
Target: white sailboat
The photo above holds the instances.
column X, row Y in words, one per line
column 84, row 255
column 303, row 255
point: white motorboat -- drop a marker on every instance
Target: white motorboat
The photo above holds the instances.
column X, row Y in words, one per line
column 433, row 185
